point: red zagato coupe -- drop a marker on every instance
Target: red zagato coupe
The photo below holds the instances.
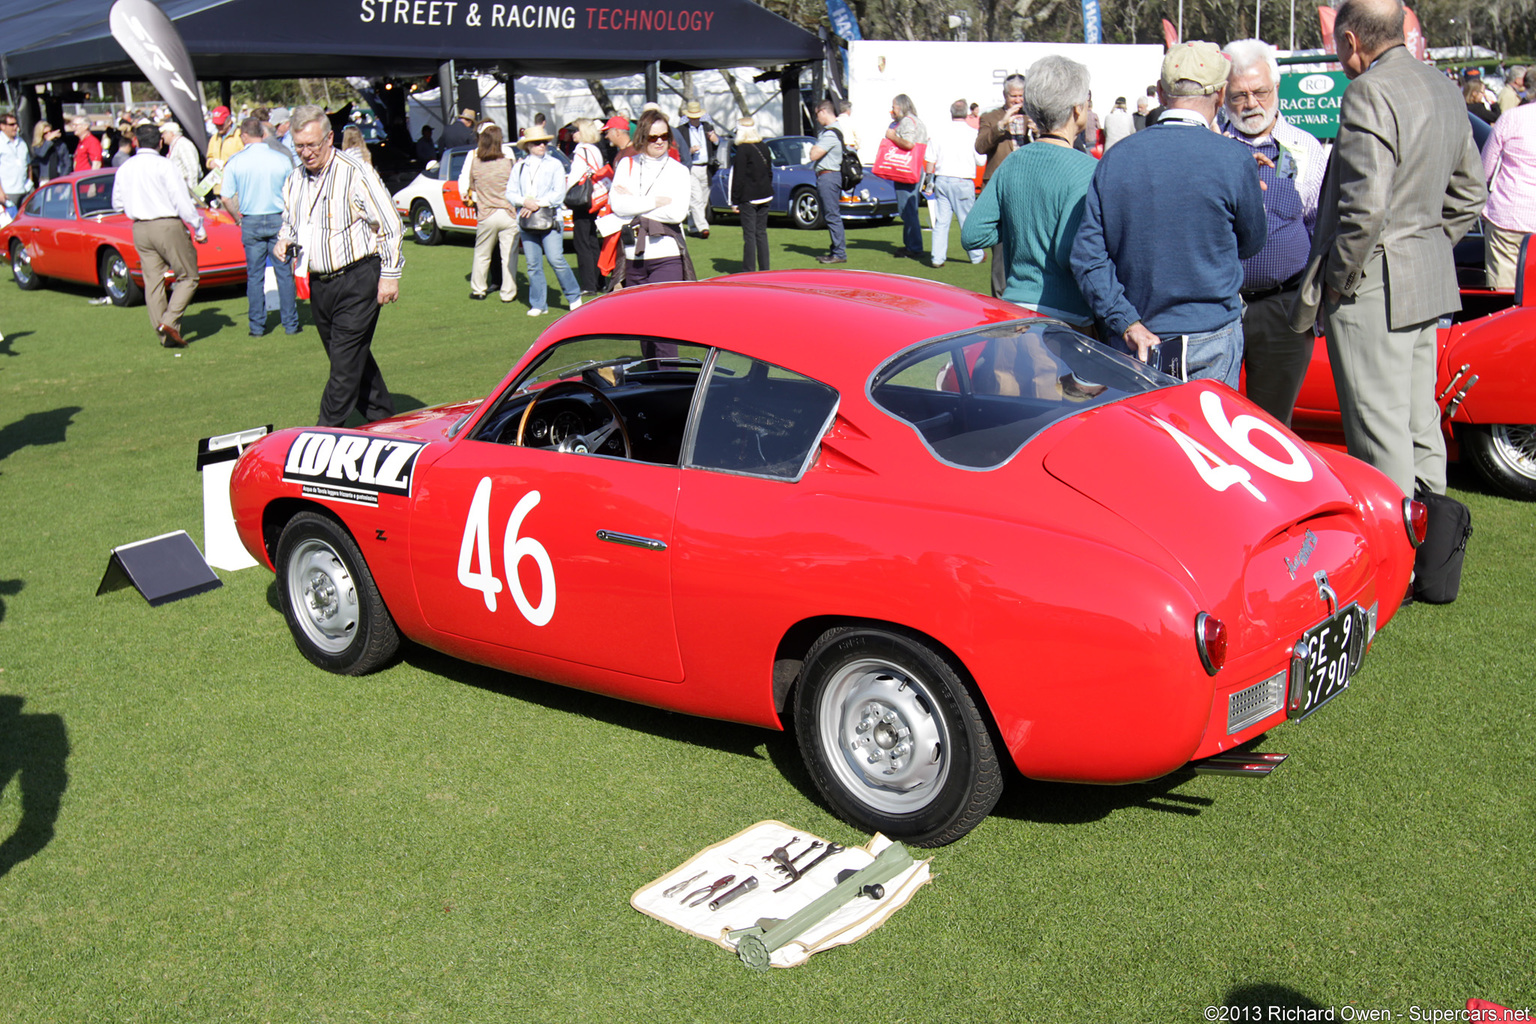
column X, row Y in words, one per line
column 931, row 529
column 67, row 229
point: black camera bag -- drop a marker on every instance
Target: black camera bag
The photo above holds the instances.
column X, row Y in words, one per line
column 1437, row 565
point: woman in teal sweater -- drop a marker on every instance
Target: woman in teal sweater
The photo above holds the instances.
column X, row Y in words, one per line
column 1032, row 206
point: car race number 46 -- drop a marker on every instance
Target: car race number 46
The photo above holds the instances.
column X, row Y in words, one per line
column 476, row 571
column 1220, row 474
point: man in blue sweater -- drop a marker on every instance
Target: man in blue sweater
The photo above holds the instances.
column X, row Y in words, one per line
column 1163, row 277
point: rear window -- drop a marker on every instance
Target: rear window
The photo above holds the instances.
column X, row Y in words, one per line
column 976, row 398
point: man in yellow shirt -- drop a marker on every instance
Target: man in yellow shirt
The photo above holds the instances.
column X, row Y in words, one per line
column 225, row 142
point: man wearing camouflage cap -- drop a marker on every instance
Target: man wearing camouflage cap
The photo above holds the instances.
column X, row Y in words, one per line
column 1163, row 277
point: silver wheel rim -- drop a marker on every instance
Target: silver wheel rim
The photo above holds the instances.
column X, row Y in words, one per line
column 1515, row 447
column 424, row 222
column 807, row 208
column 884, row 739
column 323, row 596
column 21, row 263
column 117, row 280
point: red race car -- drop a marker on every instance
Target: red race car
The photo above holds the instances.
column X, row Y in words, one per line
column 928, row 528
column 1486, row 384
column 67, row 229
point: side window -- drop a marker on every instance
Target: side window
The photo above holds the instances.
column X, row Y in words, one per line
column 567, row 400
column 456, row 164
column 759, row 419
column 52, row 202
column 94, row 195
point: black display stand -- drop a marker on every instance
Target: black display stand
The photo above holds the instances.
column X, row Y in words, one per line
column 164, row 569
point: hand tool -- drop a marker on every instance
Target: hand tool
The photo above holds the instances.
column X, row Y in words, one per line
column 680, row 886
column 707, row 891
column 832, row 850
column 740, row 890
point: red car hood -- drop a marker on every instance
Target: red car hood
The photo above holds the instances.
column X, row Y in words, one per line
column 1252, row 528
column 432, row 424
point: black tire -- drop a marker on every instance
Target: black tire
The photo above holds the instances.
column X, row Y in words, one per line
column 867, row 688
column 27, row 279
column 424, row 223
column 805, row 209
column 333, row 608
column 112, row 272
column 1505, row 455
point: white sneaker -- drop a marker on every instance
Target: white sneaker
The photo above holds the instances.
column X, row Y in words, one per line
column 536, row 312
column 576, row 304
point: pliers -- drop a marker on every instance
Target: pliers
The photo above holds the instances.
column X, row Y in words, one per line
column 698, row 896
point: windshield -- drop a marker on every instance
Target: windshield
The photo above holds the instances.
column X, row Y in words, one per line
column 977, row 397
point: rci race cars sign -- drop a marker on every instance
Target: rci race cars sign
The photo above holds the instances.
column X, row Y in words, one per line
column 351, row 467
column 1310, row 100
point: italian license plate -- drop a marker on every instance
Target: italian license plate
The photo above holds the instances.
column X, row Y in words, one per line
column 1333, row 651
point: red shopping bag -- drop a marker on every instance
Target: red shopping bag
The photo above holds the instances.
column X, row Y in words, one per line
column 896, row 164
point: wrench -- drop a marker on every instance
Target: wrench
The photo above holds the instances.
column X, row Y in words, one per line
column 831, row 850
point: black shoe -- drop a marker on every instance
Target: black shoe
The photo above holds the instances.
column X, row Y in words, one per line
column 829, row 258
column 477, row 298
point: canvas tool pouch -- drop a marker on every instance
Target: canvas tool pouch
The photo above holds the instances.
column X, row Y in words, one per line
column 1437, row 566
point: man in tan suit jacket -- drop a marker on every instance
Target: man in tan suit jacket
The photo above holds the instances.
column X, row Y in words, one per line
column 1404, row 184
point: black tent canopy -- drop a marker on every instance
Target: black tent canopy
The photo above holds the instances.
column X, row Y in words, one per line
column 69, row 40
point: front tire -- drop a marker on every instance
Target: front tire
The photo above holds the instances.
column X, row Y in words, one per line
column 424, row 223
column 21, row 267
column 1505, row 454
column 892, row 738
column 805, row 210
column 334, row 609
column 116, row 281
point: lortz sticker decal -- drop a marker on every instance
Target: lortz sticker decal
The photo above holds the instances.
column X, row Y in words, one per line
column 351, row 467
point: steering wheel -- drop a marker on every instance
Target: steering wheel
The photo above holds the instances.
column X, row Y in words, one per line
column 592, row 440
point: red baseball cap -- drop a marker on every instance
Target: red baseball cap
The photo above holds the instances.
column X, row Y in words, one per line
column 616, row 122
column 219, row 115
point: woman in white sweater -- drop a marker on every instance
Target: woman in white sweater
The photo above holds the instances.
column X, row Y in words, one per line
column 651, row 188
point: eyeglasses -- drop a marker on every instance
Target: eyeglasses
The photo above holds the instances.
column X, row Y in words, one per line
column 663, row 137
column 1258, row 94
column 308, row 147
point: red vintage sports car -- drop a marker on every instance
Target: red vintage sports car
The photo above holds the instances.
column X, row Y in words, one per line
column 930, row 529
column 67, row 229
column 1485, row 384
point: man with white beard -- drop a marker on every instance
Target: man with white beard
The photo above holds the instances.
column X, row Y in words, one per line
column 1291, row 165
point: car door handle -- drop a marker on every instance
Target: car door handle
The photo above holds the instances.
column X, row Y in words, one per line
column 649, row 543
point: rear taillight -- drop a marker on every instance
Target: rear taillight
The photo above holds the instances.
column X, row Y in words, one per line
column 1211, row 642
column 1415, row 520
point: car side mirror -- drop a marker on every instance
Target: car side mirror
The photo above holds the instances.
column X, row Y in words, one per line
column 432, row 166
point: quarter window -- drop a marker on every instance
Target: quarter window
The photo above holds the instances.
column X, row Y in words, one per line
column 760, row 419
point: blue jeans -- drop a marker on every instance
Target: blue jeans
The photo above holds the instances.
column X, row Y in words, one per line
column 830, row 190
column 952, row 200
column 536, row 246
column 911, row 217
column 258, row 233
column 1214, row 355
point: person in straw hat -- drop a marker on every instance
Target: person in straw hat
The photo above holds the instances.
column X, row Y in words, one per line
column 537, row 189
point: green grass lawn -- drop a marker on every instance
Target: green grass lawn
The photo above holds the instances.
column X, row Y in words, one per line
column 197, row 825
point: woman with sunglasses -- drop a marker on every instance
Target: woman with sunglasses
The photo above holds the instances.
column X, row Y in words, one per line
column 652, row 189
column 537, row 189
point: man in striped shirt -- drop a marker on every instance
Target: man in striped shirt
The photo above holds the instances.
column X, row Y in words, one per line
column 343, row 219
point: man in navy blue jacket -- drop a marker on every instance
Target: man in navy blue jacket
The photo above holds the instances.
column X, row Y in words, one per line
column 1163, row 277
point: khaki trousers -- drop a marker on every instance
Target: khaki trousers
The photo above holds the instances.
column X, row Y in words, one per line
column 163, row 245
column 1502, row 255
column 496, row 229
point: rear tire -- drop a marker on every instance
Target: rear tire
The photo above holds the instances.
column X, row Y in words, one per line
column 116, row 281
column 424, row 223
column 21, row 267
column 892, row 738
column 805, row 209
column 334, row 609
column 1505, row 454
